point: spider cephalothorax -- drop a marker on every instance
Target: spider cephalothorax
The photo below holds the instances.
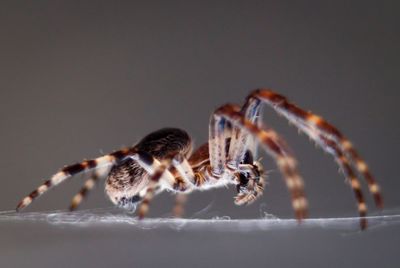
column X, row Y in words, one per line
column 163, row 160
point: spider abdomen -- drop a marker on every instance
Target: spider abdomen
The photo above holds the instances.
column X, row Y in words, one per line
column 127, row 179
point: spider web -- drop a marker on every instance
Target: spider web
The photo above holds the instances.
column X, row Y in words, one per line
column 112, row 216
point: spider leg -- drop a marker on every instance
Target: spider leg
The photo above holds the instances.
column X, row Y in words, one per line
column 241, row 140
column 219, row 131
column 184, row 169
column 158, row 171
column 348, row 172
column 155, row 177
column 343, row 161
column 315, row 126
column 90, row 183
column 180, row 201
column 67, row 172
column 284, row 161
column 87, row 187
column 199, row 160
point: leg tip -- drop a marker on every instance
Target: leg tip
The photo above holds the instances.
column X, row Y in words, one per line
column 72, row 208
column 363, row 224
column 143, row 209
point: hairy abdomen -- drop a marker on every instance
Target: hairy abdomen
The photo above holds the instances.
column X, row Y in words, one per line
column 127, row 179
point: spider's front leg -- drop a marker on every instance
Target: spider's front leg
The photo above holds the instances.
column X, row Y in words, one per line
column 219, row 133
column 242, row 148
column 328, row 137
column 273, row 146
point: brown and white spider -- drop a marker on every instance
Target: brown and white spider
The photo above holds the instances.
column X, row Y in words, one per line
column 163, row 160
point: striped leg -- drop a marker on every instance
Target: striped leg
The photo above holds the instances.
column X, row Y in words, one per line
column 151, row 165
column 67, row 172
column 241, row 139
column 156, row 174
column 184, row 169
column 160, row 171
column 284, row 161
column 306, row 120
column 180, row 201
column 218, row 134
column 82, row 194
column 98, row 173
column 348, row 172
column 344, row 163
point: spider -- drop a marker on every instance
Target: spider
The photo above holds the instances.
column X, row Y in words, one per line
column 163, row 160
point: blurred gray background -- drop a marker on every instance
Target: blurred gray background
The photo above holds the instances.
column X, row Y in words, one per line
column 82, row 78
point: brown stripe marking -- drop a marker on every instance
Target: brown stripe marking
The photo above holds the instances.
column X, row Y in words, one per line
column 123, row 153
column 146, row 158
column 158, row 174
column 79, row 167
column 74, row 169
column 34, row 194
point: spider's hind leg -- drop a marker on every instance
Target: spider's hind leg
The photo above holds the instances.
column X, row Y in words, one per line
column 67, row 172
column 82, row 194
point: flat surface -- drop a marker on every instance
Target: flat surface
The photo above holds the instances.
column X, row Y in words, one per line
column 201, row 242
column 79, row 79
column 102, row 241
column 116, row 216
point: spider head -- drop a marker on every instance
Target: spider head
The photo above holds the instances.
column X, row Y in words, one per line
column 250, row 180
